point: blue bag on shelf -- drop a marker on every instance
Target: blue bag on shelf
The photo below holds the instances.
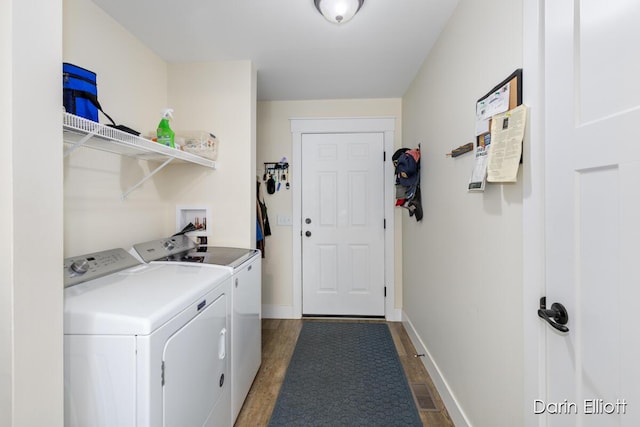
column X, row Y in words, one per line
column 80, row 95
column 79, row 91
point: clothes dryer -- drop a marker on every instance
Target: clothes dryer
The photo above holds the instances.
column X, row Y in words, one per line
column 145, row 345
column 246, row 294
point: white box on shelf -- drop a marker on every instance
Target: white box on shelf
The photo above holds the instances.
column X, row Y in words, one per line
column 200, row 143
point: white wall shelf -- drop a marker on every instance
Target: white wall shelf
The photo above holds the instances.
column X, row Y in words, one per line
column 80, row 132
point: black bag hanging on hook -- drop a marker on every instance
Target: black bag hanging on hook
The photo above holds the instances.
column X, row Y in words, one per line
column 271, row 185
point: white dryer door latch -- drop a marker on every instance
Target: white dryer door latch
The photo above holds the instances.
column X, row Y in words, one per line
column 222, row 344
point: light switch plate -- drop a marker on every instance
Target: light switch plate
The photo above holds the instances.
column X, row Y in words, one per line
column 284, row 219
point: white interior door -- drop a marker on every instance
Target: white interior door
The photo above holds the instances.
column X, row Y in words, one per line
column 592, row 161
column 343, row 224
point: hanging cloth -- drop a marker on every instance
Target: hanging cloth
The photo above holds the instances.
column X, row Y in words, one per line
column 263, row 211
column 262, row 222
column 407, row 171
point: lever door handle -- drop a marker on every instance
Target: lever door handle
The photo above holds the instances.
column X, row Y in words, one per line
column 556, row 316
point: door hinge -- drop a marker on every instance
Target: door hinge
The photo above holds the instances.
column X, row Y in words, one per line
column 384, row 224
column 385, row 291
column 384, row 156
column 162, row 374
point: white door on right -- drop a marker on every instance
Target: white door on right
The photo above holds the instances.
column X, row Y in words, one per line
column 592, row 162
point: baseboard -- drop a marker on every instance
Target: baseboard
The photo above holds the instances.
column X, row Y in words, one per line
column 277, row 312
column 453, row 407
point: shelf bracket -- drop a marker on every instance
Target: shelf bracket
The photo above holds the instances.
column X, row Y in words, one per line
column 80, row 143
column 143, row 180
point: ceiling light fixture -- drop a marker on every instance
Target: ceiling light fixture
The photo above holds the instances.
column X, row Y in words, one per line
column 338, row 11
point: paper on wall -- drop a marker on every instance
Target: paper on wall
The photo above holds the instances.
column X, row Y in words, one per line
column 479, row 174
column 507, row 133
column 496, row 103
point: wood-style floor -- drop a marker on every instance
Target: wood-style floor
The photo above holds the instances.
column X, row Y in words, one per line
column 279, row 338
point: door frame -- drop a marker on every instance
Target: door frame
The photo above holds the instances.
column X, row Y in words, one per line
column 384, row 125
column 533, row 229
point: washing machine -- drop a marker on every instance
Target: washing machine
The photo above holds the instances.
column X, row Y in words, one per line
column 145, row 345
column 246, row 295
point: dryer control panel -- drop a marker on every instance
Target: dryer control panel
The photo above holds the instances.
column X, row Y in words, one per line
column 164, row 249
column 82, row 268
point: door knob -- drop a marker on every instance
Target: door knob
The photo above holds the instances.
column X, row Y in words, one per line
column 307, row 221
column 556, row 316
column 308, row 234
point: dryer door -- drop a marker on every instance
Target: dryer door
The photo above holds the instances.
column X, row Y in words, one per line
column 196, row 369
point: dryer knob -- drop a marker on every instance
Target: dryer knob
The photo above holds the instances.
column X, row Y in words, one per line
column 80, row 266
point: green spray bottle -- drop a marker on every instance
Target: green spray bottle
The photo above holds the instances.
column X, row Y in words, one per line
column 165, row 135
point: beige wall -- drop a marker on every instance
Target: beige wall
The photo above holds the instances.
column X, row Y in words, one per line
column 463, row 262
column 218, row 97
column 134, row 86
column 274, row 142
column 31, row 367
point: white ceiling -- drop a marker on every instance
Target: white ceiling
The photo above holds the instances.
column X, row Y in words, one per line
column 297, row 53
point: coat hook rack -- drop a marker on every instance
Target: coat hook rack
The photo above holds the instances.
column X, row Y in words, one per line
column 272, row 166
column 461, row 150
column 276, row 173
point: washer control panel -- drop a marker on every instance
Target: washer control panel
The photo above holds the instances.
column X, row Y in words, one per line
column 82, row 268
column 163, row 249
